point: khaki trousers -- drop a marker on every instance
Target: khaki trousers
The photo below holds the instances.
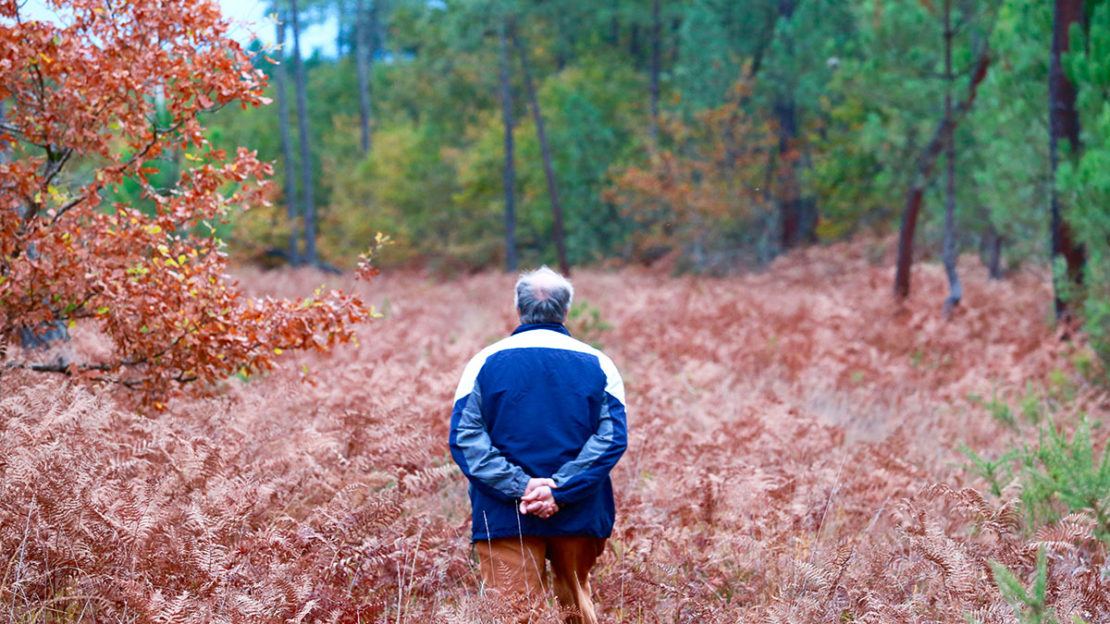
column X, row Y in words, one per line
column 515, row 566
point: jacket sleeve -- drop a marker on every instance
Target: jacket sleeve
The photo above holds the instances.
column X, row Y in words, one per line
column 473, row 450
column 579, row 477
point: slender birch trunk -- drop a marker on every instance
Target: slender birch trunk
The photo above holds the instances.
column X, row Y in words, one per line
column 301, row 88
column 287, row 161
column 508, row 176
column 364, row 59
column 951, row 253
column 656, row 69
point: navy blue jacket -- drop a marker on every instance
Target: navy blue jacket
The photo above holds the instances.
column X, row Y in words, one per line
column 539, row 404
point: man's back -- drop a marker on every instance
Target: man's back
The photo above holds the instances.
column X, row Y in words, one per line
column 541, row 396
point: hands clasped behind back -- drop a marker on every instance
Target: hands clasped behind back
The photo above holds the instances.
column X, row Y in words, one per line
column 538, row 498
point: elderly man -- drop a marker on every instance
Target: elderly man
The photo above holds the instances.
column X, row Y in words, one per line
column 537, row 425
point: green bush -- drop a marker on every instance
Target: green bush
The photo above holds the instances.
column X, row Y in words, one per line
column 1068, row 472
column 585, row 323
column 1030, row 605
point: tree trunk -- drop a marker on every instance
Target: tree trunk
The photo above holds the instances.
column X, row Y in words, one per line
column 785, row 110
column 790, row 216
column 1063, row 124
column 342, row 35
column 302, row 132
column 287, row 162
column 634, row 48
column 376, row 32
column 613, row 37
column 951, row 254
column 656, row 68
column 364, row 59
column 564, row 40
column 545, row 151
column 926, row 162
column 509, row 174
column 991, row 247
column 676, row 34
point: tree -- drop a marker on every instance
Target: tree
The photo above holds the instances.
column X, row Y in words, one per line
column 923, row 171
column 1004, row 157
column 509, row 174
column 1063, row 125
column 656, row 69
column 705, row 198
column 548, row 170
column 364, row 64
column 795, row 226
column 84, row 94
column 1084, row 180
column 300, row 87
column 955, row 289
column 287, row 161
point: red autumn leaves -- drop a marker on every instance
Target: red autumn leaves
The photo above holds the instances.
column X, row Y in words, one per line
column 103, row 94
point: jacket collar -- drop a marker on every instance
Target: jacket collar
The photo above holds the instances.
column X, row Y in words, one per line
column 556, row 327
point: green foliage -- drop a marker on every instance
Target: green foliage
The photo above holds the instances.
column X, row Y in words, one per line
column 884, row 102
column 1030, row 604
column 592, row 128
column 1068, row 472
column 712, row 34
column 1028, row 403
column 1084, row 181
column 999, row 410
column 1085, row 364
column 1011, row 119
column 406, row 187
column 998, row 473
column 584, row 321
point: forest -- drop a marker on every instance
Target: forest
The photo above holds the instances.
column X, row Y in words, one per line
column 715, row 135
column 852, row 258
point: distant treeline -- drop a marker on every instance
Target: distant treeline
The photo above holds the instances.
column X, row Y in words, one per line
column 483, row 133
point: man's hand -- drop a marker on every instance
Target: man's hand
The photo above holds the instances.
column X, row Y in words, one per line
column 530, row 504
column 538, row 499
column 535, row 483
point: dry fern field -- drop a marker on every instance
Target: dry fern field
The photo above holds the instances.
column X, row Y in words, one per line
column 795, row 456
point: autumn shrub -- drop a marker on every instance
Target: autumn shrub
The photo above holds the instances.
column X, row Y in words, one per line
column 703, row 198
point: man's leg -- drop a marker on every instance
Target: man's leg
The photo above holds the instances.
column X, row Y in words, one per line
column 571, row 561
column 513, row 567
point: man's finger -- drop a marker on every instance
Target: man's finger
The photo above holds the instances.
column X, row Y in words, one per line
column 535, row 482
column 543, row 509
column 539, row 493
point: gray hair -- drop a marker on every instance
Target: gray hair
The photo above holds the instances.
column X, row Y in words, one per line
column 543, row 296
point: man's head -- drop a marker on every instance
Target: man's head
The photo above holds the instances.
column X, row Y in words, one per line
column 543, row 296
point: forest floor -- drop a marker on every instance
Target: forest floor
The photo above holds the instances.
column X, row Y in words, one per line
column 794, row 456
